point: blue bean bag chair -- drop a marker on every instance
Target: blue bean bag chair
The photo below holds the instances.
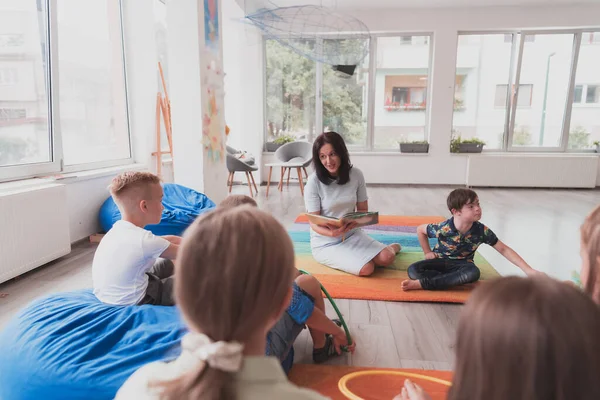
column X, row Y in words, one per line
column 72, row 346
column 182, row 206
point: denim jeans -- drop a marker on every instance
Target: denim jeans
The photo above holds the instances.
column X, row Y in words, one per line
column 443, row 273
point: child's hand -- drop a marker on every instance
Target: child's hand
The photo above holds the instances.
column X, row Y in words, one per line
column 412, row 391
column 430, row 256
column 341, row 340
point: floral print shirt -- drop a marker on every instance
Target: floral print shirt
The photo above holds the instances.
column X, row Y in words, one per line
column 454, row 245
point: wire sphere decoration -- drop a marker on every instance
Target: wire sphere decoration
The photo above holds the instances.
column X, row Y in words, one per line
column 344, row 40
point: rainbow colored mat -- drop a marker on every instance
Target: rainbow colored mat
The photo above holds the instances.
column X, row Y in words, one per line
column 368, row 383
column 384, row 284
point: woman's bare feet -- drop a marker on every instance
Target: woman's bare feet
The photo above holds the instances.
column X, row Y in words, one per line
column 410, row 284
column 396, row 247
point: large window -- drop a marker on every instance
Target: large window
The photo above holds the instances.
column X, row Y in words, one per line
column 401, row 90
column 290, row 91
column 585, row 113
column 304, row 98
column 24, row 122
column 82, row 122
column 93, row 111
column 516, row 91
column 513, row 90
column 547, row 62
column 482, row 88
column 345, row 97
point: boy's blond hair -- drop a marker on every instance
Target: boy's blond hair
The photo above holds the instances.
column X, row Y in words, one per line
column 236, row 200
column 132, row 185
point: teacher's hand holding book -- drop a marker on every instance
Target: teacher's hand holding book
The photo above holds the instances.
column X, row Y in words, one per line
column 336, row 232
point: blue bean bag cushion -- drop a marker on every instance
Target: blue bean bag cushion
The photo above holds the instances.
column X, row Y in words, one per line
column 182, row 206
column 72, row 346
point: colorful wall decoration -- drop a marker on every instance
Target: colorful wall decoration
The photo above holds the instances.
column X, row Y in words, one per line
column 213, row 117
column 211, row 25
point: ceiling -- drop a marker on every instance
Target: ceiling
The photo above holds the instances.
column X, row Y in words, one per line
column 362, row 4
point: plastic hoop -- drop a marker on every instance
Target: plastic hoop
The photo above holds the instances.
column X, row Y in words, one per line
column 343, row 383
column 337, row 311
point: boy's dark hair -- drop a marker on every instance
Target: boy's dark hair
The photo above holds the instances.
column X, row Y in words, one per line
column 236, row 200
column 337, row 142
column 459, row 197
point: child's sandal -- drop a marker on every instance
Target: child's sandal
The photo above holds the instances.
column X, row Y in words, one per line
column 328, row 351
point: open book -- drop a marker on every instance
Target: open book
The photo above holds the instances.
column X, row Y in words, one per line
column 361, row 218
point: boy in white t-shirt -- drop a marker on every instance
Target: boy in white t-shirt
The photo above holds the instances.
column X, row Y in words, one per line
column 132, row 265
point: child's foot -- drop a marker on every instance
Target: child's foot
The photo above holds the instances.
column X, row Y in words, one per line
column 396, row 247
column 410, row 284
column 326, row 352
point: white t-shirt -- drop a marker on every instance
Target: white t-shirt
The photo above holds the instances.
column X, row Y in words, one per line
column 121, row 261
column 261, row 378
column 333, row 200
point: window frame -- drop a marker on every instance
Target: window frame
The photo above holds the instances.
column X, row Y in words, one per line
column 107, row 163
column 372, row 66
column 56, row 163
column 564, row 138
column 520, row 37
column 519, row 40
column 22, row 171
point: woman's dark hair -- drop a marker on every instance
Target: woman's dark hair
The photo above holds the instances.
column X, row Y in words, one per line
column 337, row 142
column 527, row 339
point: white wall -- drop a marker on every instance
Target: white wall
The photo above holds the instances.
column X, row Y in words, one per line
column 440, row 166
column 243, row 67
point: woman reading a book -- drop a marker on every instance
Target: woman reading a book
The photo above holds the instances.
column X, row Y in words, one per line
column 335, row 190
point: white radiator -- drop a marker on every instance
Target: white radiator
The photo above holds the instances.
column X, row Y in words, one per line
column 34, row 228
column 548, row 170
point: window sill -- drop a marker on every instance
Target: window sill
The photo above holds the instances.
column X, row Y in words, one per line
column 72, row 177
column 493, row 153
column 369, row 153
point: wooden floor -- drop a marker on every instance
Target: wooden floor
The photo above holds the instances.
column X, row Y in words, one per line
column 542, row 225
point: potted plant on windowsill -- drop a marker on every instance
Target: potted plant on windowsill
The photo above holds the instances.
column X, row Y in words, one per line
column 417, row 146
column 474, row 145
column 597, row 144
column 278, row 142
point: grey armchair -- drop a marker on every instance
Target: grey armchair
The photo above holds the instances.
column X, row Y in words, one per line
column 235, row 165
column 241, row 155
column 296, row 155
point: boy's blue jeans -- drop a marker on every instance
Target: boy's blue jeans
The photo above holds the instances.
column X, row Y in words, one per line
column 443, row 273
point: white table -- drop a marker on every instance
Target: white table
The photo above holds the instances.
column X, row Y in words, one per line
column 286, row 166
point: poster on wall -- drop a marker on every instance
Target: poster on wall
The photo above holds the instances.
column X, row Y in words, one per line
column 211, row 25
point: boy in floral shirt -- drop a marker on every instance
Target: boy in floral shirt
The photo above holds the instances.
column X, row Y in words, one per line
column 450, row 263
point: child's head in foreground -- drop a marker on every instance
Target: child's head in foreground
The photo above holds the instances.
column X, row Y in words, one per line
column 464, row 203
column 590, row 254
column 233, row 291
column 527, row 339
column 235, row 200
column 138, row 195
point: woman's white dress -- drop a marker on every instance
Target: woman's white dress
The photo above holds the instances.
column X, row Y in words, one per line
column 335, row 200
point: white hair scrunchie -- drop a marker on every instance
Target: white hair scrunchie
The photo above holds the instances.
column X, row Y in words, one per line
column 226, row 356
